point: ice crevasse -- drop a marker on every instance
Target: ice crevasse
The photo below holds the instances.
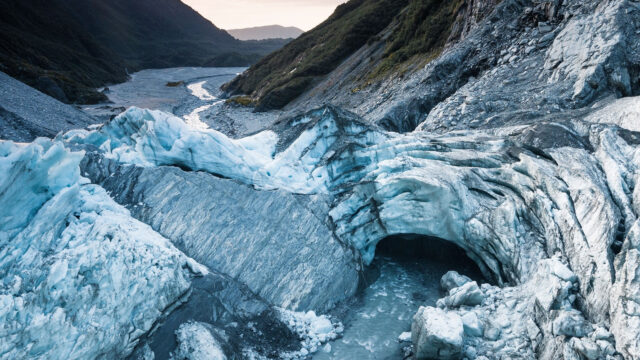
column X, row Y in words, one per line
column 81, row 277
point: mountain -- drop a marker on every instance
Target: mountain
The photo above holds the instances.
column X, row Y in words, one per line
column 282, row 76
column 66, row 48
column 266, row 32
column 400, row 35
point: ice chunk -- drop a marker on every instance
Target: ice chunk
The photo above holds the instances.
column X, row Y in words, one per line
column 472, row 325
column 452, row 280
column 314, row 330
column 468, row 294
column 405, row 337
column 437, row 334
column 195, row 342
column 81, row 277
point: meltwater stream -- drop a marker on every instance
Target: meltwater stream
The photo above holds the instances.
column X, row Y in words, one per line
column 407, row 279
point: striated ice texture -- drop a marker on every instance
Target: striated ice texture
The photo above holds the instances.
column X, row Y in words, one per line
column 81, row 277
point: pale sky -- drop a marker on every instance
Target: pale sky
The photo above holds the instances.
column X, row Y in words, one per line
column 234, row 14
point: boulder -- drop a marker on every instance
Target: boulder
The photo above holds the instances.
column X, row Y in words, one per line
column 437, row 334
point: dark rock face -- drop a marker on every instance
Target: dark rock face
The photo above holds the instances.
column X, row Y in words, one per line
column 246, row 321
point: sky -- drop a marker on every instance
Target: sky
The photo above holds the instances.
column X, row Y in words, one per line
column 236, row 14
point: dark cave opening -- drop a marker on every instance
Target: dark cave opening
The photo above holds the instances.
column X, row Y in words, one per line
column 422, row 248
column 404, row 275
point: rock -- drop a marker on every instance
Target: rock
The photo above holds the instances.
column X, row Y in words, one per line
column 468, row 294
column 26, row 113
column 437, row 334
column 452, row 280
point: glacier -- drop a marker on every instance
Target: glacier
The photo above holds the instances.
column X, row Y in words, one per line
column 147, row 137
column 509, row 205
column 81, row 277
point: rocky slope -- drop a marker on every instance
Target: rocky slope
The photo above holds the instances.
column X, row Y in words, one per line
column 26, row 113
column 280, row 77
column 379, row 40
column 67, row 48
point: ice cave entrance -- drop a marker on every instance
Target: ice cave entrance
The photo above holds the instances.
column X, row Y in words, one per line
column 404, row 275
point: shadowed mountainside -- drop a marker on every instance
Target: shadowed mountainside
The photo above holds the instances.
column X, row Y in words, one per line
column 65, row 48
column 282, row 76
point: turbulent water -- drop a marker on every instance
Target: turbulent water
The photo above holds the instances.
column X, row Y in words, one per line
column 401, row 279
column 384, row 310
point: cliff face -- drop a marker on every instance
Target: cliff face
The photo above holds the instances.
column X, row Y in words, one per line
column 67, row 48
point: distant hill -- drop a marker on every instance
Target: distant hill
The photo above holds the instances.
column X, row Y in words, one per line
column 266, row 32
column 66, row 48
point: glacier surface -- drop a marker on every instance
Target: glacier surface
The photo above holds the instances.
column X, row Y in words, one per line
column 81, row 277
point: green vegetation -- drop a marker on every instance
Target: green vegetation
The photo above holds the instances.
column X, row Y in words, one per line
column 174, row 83
column 425, row 27
column 240, row 101
column 285, row 74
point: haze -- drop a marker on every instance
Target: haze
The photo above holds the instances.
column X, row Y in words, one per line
column 236, row 14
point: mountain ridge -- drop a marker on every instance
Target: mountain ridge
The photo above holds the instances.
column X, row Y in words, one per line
column 266, row 32
column 401, row 35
